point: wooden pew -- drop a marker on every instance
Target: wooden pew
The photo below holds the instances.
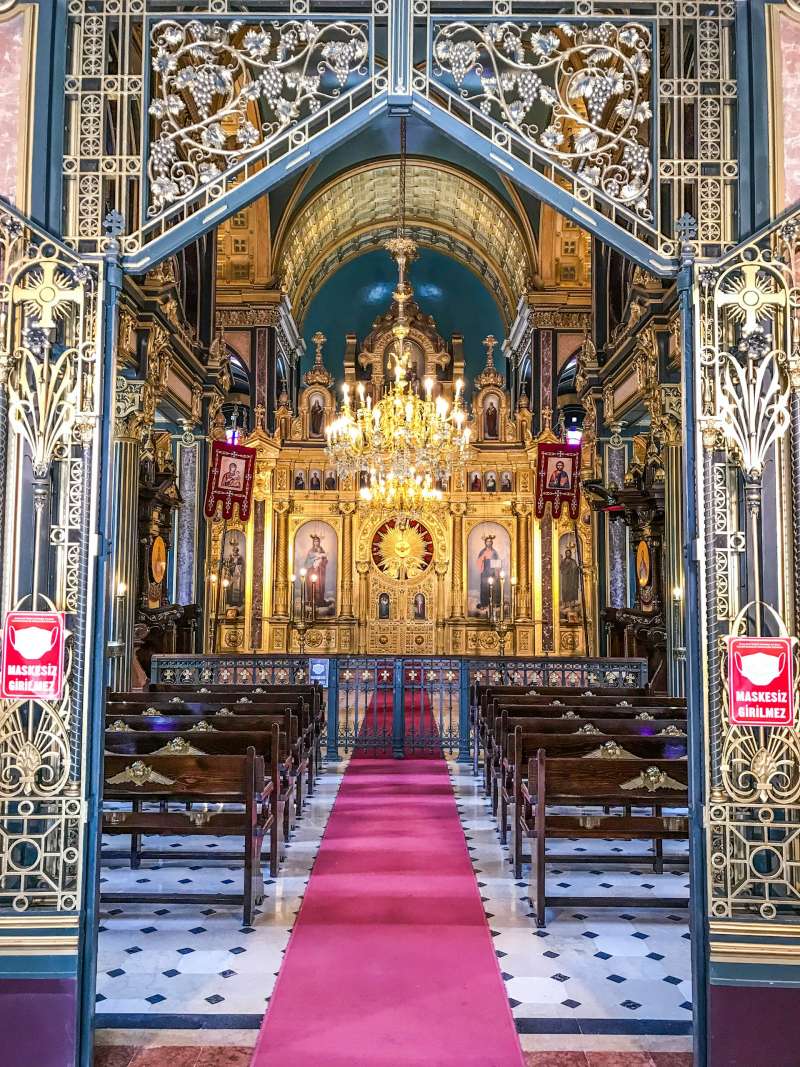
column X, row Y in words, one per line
column 561, row 713
column 219, row 708
column 219, row 779
column 614, row 783
column 520, row 745
column 146, row 743
column 312, row 692
column 194, row 727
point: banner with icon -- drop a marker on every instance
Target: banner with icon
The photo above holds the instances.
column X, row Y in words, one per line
column 230, row 480
column 558, row 479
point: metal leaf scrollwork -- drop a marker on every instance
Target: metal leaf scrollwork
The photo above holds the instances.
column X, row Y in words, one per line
column 754, row 396
column 223, row 90
column 580, row 92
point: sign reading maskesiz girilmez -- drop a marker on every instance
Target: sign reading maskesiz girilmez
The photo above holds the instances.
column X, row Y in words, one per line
column 760, row 681
column 33, row 655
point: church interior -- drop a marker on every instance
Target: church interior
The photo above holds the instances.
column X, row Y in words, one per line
column 400, row 250
column 400, row 480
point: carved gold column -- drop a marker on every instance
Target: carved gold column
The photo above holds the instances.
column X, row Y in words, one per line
column 282, row 558
column 523, row 514
column 441, row 571
column 346, row 510
column 457, row 606
column 362, row 566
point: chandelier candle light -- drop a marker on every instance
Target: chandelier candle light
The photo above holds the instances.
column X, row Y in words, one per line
column 405, row 444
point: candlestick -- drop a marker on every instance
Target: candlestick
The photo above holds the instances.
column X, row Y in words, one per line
column 313, row 597
column 303, row 573
column 502, row 596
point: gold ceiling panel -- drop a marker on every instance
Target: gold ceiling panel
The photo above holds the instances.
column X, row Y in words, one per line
column 438, row 197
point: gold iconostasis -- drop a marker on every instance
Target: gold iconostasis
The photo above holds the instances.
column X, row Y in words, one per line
column 315, row 566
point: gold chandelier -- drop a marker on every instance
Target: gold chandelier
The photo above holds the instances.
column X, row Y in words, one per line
column 405, row 446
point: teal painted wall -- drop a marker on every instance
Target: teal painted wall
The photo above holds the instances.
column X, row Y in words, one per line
column 361, row 290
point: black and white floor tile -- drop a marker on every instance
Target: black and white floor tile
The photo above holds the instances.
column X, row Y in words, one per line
column 167, row 960
column 631, row 966
column 628, row 970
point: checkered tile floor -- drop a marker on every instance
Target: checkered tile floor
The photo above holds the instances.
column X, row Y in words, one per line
column 599, row 963
column 177, row 959
column 628, row 966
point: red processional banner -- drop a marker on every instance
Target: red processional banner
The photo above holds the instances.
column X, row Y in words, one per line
column 558, row 479
column 760, row 676
column 33, row 655
column 230, row 480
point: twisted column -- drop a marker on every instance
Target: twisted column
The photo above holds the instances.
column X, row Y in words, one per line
column 346, row 510
column 712, row 636
column 794, row 378
column 362, row 566
column 281, row 603
column 523, row 514
column 457, row 594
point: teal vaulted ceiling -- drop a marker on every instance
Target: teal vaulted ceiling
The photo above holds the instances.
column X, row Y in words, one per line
column 352, row 298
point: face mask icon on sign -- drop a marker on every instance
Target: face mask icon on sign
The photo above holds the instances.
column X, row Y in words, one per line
column 33, row 641
column 759, row 667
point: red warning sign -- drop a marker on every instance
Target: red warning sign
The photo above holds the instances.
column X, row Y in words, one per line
column 760, row 691
column 33, row 655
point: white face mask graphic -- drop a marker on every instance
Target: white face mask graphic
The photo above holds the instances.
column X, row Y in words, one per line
column 759, row 667
column 33, row 641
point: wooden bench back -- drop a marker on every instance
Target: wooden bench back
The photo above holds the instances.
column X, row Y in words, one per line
column 599, row 781
column 312, row 691
column 174, row 743
column 597, row 726
column 219, row 778
column 523, row 747
column 201, row 725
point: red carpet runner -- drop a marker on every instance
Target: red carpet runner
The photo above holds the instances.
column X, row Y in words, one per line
column 391, row 961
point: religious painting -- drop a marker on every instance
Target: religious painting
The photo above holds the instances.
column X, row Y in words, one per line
column 330, row 481
column 299, row 479
column 569, row 581
column 419, row 607
column 488, row 568
column 230, row 480
column 233, row 569
column 506, row 482
column 383, row 606
column 491, row 418
column 475, row 482
column 158, row 560
column 315, row 562
column 402, row 548
column 557, row 479
column 316, row 415
column 415, row 361
column 315, row 480
column 490, row 482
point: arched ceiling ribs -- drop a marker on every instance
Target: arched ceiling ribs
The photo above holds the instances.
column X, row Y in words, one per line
column 427, row 237
column 445, row 207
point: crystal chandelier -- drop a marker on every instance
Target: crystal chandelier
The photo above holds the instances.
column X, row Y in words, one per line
column 406, row 445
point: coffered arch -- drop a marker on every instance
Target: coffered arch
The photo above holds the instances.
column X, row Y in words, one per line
column 446, row 208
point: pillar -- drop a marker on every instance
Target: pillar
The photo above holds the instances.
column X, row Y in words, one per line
column 282, row 559
column 457, row 597
column 617, row 592
column 362, row 567
column 186, row 557
column 129, row 425
column 346, row 510
column 523, row 514
column 441, row 571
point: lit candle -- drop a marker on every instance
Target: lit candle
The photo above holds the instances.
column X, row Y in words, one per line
column 491, row 599
column 428, row 387
column 502, row 594
column 313, row 597
column 459, row 387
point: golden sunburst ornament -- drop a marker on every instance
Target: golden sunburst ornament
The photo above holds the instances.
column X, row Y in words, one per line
column 402, row 549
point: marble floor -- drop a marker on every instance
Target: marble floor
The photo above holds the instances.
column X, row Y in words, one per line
column 606, row 982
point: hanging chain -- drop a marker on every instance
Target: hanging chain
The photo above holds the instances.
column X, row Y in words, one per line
column 401, row 225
